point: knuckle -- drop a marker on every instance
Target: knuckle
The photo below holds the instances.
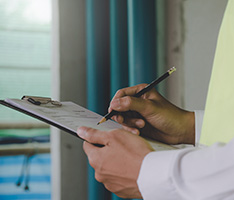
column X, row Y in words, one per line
column 119, row 93
column 109, row 187
column 93, row 160
column 99, row 177
column 93, row 163
column 128, row 101
column 90, row 134
column 112, row 188
column 87, row 132
column 97, row 164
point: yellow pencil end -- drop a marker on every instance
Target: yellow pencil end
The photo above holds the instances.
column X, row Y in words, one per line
column 170, row 71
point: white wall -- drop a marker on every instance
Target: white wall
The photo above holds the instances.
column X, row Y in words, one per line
column 193, row 27
column 202, row 22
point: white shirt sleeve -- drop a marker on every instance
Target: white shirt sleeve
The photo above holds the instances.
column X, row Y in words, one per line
column 204, row 174
column 199, row 114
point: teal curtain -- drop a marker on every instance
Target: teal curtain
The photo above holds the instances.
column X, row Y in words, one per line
column 118, row 45
column 141, row 40
column 98, row 70
column 121, row 51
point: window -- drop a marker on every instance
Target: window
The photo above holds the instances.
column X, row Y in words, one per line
column 25, row 52
column 25, row 69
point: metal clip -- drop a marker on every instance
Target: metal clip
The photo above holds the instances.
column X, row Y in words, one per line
column 41, row 100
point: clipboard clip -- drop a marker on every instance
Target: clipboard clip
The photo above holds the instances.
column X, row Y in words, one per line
column 41, row 100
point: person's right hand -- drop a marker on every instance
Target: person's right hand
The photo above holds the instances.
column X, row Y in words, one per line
column 153, row 116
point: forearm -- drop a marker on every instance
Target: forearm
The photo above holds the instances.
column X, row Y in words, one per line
column 182, row 174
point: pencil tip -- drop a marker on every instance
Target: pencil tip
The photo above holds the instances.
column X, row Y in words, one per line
column 101, row 121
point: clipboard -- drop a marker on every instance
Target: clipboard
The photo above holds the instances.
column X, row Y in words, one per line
column 66, row 116
column 3, row 102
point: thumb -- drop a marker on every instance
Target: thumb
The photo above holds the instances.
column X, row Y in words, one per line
column 93, row 136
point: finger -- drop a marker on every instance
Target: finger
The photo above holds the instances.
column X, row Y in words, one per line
column 129, row 91
column 128, row 103
column 93, row 153
column 134, row 131
column 138, row 123
column 132, row 122
column 93, row 136
column 118, row 118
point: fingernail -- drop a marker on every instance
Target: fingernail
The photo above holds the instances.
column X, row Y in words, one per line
column 119, row 119
column 135, row 131
column 140, row 123
column 81, row 133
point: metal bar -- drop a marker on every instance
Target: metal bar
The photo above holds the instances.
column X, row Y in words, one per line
column 29, row 148
column 23, row 125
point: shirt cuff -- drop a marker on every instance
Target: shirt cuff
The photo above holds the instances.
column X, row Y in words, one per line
column 154, row 180
column 199, row 114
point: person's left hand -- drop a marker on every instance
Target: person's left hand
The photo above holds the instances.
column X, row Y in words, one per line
column 118, row 163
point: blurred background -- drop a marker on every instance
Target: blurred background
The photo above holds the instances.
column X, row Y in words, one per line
column 84, row 51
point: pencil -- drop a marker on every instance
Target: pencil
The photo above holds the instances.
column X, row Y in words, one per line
column 141, row 92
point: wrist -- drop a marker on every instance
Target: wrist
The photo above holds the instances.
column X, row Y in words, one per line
column 189, row 135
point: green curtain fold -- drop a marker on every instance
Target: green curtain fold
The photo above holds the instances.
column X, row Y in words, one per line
column 98, row 79
column 121, row 51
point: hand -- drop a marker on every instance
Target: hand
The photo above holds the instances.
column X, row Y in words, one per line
column 159, row 119
column 118, row 163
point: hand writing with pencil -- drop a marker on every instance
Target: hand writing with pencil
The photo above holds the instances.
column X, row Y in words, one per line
column 117, row 164
column 159, row 119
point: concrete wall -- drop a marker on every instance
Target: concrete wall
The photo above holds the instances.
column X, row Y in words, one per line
column 69, row 163
column 192, row 30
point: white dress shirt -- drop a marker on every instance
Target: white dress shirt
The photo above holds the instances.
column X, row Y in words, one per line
column 192, row 173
